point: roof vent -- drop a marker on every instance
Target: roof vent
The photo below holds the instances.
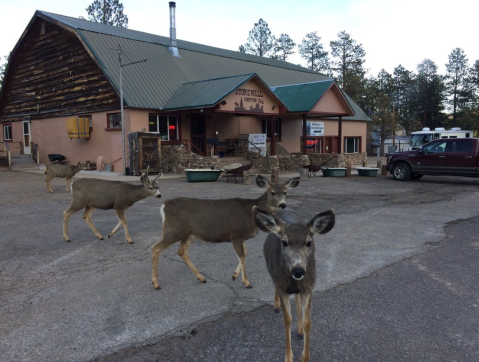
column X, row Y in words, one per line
column 426, row 129
column 439, row 129
column 455, row 128
column 173, row 49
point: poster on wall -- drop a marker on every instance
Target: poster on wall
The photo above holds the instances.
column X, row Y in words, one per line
column 315, row 128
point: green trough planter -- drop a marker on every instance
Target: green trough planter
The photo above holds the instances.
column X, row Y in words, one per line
column 334, row 172
column 368, row 171
column 200, row 175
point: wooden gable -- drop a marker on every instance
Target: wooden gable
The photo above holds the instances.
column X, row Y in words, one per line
column 51, row 74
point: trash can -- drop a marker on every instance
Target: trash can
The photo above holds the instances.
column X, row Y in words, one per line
column 108, row 168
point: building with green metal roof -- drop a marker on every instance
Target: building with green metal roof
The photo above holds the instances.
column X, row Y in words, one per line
column 64, row 67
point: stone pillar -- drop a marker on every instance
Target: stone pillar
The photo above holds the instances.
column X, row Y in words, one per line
column 304, row 173
column 246, row 178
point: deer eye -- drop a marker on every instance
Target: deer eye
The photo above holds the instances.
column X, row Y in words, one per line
column 285, row 243
column 273, row 193
column 308, row 244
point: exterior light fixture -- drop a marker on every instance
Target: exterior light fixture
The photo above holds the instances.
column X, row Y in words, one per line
column 273, row 108
column 223, row 103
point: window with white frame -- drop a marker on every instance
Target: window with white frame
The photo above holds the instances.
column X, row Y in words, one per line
column 165, row 126
column 7, row 132
column 351, row 145
column 114, row 120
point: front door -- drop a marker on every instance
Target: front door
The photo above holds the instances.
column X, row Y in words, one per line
column 26, row 137
column 198, row 133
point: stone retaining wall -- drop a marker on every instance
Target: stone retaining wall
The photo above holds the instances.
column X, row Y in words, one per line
column 175, row 159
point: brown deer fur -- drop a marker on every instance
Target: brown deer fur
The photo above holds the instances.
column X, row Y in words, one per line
column 289, row 254
column 94, row 194
column 186, row 219
column 67, row 171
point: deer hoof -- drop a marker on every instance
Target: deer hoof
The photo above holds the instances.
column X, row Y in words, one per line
column 67, row 240
column 130, row 242
column 234, row 278
column 156, row 285
column 109, row 236
column 101, row 238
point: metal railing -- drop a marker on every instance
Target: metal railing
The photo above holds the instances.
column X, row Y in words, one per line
column 244, row 140
column 188, row 143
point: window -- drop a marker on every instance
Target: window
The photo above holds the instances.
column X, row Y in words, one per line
column 114, row 120
column 351, row 145
column 265, row 128
column 166, row 126
column 7, row 132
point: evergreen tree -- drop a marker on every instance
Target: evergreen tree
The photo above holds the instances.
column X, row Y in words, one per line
column 458, row 84
column 429, row 95
column 108, row 12
column 403, row 90
column 383, row 122
column 260, row 41
column 283, row 47
column 347, row 64
column 311, row 49
column 3, row 70
column 241, row 49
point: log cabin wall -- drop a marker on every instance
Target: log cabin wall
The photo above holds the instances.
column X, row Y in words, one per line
column 51, row 75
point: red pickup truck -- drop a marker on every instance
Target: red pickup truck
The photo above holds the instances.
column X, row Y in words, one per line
column 447, row 156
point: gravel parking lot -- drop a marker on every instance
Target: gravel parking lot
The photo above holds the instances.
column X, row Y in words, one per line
column 91, row 299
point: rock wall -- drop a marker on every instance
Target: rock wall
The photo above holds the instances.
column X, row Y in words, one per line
column 175, row 159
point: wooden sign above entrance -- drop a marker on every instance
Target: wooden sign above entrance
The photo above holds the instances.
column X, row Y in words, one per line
column 251, row 97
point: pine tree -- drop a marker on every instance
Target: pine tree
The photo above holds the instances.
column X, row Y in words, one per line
column 347, row 64
column 403, row 90
column 3, row 70
column 458, row 84
column 311, row 49
column 260, row 41
column 283, row 47
column 108, row 12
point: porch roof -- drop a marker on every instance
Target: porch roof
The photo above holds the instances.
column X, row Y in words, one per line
column 209, row 92
column 304, row 98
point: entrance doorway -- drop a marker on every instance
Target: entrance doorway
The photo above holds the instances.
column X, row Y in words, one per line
column 26, row 137
column 198, row 133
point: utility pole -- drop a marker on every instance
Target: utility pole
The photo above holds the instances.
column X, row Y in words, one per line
column 394, row 124
column 120, row 51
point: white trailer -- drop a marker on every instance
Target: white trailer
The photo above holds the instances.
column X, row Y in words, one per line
column 426, row 135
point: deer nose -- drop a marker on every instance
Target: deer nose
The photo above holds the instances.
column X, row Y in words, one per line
column 298, row 273
column 283, row 205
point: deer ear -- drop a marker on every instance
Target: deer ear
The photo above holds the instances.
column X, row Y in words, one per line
column 143, row 178
column 322, row 223
column 289, row 184
column 266, row 221
column 261, row 181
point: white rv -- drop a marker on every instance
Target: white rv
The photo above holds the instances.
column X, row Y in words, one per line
column 426, row 135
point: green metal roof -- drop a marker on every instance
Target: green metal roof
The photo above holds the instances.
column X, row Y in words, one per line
column 302, row 97
column 206, row 93
column 152, row 84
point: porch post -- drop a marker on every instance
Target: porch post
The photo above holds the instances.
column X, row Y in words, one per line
column 303, row 146
column 213, row 131
column 340, row 134
column 272, row 128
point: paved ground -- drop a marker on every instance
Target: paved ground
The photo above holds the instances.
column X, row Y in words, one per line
column 396, row 279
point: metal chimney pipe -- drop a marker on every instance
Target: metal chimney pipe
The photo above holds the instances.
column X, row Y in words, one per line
column 173, row 48
column 172, row 24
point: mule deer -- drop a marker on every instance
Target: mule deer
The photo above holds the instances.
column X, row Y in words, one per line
column 94, row 194
column 186, row 219
column 289, row 254
column 67, row 171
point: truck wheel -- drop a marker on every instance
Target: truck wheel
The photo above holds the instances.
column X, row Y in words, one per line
column 401, row 172
column 415, row 176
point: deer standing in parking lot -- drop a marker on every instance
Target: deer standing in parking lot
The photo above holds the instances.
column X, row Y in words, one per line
column 67, row 171
column 186, row 219
column 289, row 254
column 94, row 194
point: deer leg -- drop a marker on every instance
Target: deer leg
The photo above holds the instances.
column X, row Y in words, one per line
column 121, row 216
column 299, row 314
column 165, row 242
column 66, row 216
column 115, row 229
column 306, row 306
column 240, row 249
column 49, row 188
column 87, row 217
column 67, row 180
column 183, row 252
column 277, row 302
column 238, row 268
column 286, row 306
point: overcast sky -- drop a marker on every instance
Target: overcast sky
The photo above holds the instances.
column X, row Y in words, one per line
column 392, row 32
